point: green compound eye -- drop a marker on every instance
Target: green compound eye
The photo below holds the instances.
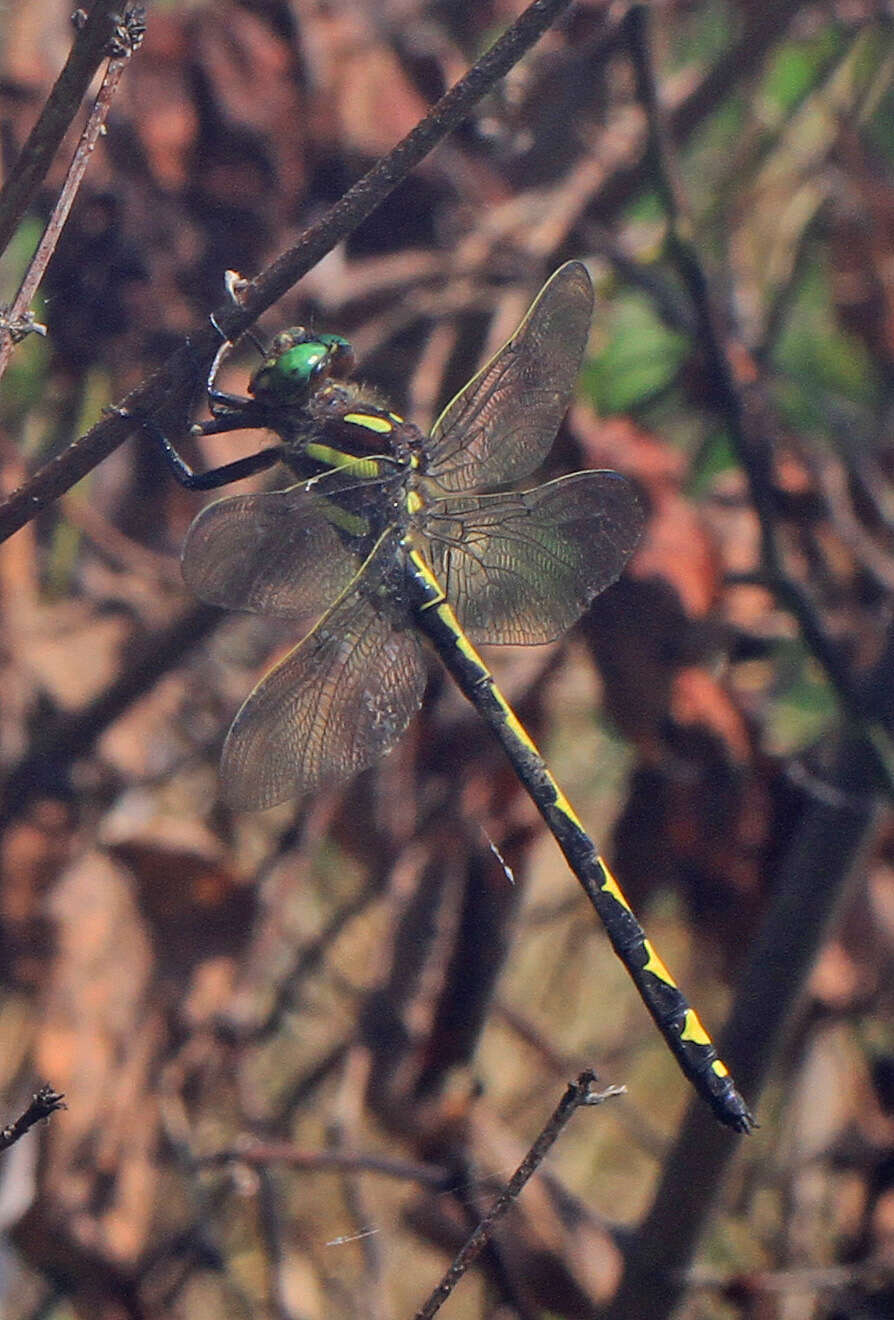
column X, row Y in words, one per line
column 289, row 376
column 296, row 369
column 298, row 366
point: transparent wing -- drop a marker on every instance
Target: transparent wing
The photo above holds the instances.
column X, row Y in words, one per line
column 521, row 568
column 500, row 426
column 274, row 552
column 336, row 703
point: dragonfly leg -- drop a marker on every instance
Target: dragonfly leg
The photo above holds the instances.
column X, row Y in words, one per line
column 218, row 399
column 214, row 477
column 219, row 476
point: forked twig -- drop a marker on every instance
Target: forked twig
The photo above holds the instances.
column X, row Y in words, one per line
column 43, row 1103
column 124, row 41
column 577, row 1094
column 88, row 51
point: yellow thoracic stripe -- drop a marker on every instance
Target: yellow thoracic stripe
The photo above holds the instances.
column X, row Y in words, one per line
column 337, row 458
column 380, row 425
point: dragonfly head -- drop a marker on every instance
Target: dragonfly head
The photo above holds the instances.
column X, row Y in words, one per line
column 298, row 364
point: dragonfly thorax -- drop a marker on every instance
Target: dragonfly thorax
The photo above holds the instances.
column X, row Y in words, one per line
column 348, row 428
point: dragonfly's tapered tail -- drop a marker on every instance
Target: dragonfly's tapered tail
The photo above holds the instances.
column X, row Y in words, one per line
column 676, row 1019
column 389, row 533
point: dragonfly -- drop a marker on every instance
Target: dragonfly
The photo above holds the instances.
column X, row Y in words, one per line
column 388, row 536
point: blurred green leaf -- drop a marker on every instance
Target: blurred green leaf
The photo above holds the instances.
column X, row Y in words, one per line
column 25, row 379
column 639, row 356
column 819, row 356
column 702, row 34
column 14, row 261
column 715, row 456
column 796, row 69
column 803, row 707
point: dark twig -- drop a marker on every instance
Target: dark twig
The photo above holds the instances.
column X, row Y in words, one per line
column 743, row 409
column 256, row 296
column 666, row 298
column 285, row 1154
column 45, row 1102
column 123, row 42
column 506, row 1287
column 578, row 1093
column 90, row 48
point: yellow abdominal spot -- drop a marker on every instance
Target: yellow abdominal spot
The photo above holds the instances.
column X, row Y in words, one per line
column 567, row 809
column 657, row 968
column 460, row 640
column 424, row 571
column 693, row 1029
column 414, row 502
column 611, row 886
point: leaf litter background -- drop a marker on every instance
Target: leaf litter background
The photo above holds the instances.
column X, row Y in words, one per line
column 222, row 997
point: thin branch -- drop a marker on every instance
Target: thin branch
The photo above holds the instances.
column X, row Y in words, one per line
column 90, row 48
column 125, row 40
column 765, row 25
column 578, row 1093
column 45, row 1102
column 285, row 1154
column 667, row 300
column 181, row 369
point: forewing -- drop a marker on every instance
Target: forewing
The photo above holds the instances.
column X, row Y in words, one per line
column 335, row 704
column 274, row 552
column 521, row 568
column 500, row 426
